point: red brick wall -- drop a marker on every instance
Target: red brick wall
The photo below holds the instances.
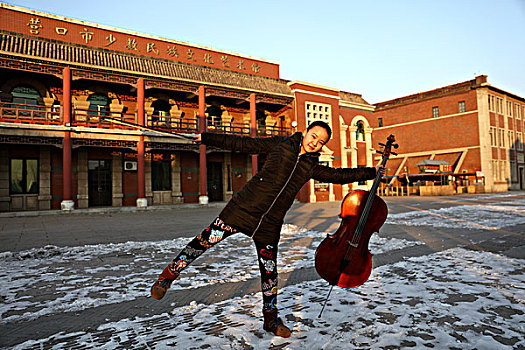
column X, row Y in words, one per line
column 432, row 134
column 423, row 109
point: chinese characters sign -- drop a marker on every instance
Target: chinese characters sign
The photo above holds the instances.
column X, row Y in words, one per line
column 47, row 26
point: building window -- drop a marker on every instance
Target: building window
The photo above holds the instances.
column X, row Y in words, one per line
column 495, row 172
column 25, row 95
column 98, row 105
column 214, row 115
column 518, row 111
column 503, row 170
column 499, row 105
column 318, row 111
column 493, row 136
column 492, row 105
column 513, row 172
column 379, row 122
column 501, row 138
column 435, row 112
column 360, row 132
column 519, row 141
column 461, row 106
column 509, row 108
column 511, row 139
column 161, row 111
column 23, row 177
column 161, row 174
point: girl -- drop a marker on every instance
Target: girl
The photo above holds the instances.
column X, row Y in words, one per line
column 258, row 209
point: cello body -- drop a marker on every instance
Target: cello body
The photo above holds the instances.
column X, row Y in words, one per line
column 338, row 247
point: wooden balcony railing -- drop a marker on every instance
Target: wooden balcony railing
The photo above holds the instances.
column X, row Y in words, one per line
column 29, row 114
column 266, row 131
column 182, row 125
column 95, row 119
column 33, row 114
column 229, row 128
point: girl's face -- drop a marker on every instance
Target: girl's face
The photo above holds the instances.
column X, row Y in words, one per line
column 314, row 139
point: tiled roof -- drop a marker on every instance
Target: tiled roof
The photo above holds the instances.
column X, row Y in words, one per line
column 351, row 97
column 53, row 51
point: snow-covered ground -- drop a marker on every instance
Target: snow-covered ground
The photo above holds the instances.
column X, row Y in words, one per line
column 454, row 299
column 491, row 216
column 76, row 278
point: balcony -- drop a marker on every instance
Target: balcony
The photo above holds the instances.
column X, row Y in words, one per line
column 35, row 114
column 96, row 119
column 29, row 114
column 171, row 124
column 191, row 125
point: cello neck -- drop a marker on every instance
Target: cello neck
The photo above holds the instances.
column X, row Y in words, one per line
column 372, row 193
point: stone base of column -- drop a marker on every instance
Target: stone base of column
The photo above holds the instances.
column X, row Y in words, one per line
column 203, row 200
column 67, row 205
column 142, row 203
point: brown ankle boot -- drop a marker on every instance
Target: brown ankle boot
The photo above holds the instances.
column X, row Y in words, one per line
column 159, row 288
column 274, row 324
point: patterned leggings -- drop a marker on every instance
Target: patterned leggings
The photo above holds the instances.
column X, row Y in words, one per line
column 216, row 232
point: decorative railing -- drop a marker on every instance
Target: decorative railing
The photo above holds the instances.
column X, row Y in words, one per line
column 36, row 114
column 29, row 114
column 266, row 131
column 229, row 128
column 169, row 124
column 97, row 119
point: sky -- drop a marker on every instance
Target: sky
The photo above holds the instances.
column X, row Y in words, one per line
column 380, row 49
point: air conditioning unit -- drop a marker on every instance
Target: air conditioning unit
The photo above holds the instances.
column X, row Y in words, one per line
column 130, row 165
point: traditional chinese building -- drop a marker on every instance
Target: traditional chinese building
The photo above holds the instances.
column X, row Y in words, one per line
column 472, row 132
column 97, row 116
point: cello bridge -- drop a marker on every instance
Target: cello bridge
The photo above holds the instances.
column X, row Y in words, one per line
column 353, row 244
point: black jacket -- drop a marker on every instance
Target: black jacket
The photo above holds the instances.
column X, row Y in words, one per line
column 258, row 209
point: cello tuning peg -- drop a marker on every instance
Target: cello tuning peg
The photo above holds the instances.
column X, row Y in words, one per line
column 379, row 152
column 394, row 153
column 382, row 144
column 396, row 146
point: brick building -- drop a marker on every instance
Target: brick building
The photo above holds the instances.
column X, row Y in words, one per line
column 92, row 116
column 97, row 116
column 473, row 126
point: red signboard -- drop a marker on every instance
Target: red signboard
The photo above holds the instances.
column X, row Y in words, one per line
column 24, row 21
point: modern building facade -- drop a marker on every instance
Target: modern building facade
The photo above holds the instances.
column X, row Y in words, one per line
column 97, row 116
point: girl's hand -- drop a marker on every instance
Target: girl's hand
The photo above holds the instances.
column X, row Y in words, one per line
column 380, row 169
column 197, row 139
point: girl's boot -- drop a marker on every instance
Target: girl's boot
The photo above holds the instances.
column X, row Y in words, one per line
column 160, row 287
column 274, row 324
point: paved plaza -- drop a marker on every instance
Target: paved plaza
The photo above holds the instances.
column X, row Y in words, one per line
column 448, row 273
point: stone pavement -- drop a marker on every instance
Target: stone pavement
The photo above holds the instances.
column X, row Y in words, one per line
column 108, row 225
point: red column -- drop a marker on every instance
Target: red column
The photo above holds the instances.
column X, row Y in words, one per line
column 141, row 163
column 67, row 174
column 253, row 130
column 203, row 198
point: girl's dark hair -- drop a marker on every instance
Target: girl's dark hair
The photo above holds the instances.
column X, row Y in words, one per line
column 322, row 125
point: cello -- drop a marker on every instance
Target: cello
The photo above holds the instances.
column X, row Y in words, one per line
column 343, row 258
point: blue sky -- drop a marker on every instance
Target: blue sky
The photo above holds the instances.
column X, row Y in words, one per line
column 381, row 49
